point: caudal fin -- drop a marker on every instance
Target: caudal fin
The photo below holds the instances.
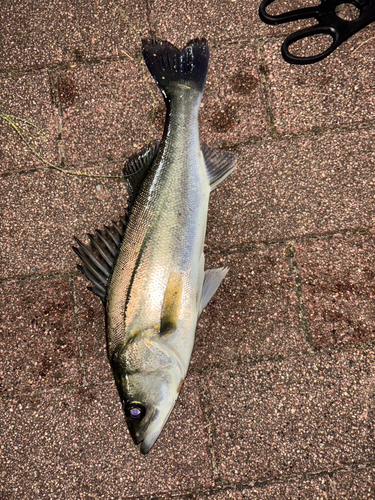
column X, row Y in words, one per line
column 168, row 65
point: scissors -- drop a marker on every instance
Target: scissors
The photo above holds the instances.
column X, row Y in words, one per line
column 329, row 23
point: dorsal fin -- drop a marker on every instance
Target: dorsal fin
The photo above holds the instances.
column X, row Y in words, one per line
column 99, row 255
column 219, row 164
column 171, row 304
column 136, row 168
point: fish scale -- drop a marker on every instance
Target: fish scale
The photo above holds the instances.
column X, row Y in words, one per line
column 155, row 224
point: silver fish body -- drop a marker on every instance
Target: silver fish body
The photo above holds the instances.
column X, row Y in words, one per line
column 157, row 287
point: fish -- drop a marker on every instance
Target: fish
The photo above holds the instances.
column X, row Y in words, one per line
column 148, row 267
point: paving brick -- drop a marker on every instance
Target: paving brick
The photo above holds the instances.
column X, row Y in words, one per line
column 43, row 210
column 353, row 483
column 317, row 488
column 90, row 313
column 339, row 289
column 77, row 446
column 233, row 107
column 295, row 188
column 221, row 22
column 107, row 111
column 42, row 33
column 334, row 92
column 358, row 483
column 254, row 314
column 38, row 345
column 304, row 414
column 27, row 97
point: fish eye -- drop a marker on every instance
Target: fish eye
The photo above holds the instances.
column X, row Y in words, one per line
column 134, row 410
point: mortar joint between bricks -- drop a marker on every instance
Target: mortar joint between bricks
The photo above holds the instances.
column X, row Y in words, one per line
column 265, row 94
column 77, row 328
column 291, row 254
column 150, row 23
column 208, row 427
column 55, row 100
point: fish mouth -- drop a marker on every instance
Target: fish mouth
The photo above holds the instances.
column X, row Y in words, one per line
column 159, row 399
column 148, row 443
column 148, row 437
column 145, row 440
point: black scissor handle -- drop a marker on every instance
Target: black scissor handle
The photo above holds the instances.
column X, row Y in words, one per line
column 307, row 33
column 329, row 23
column 286, row 17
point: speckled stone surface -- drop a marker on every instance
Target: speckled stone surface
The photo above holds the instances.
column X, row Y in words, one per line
column 266, row 321
column 76, row 443
column 44, row 209
column 233, row 110
column 295, row 188
column 339, row 289
column 279, row 400
column 291, row 417
column 38, row 34
column 221, row 23
column 90, row 315
column 27, row 97
column 96, row 118
column 336, row 92
column 38, row 344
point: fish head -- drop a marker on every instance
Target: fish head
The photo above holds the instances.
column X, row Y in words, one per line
column 149, row 378
column 148, row 408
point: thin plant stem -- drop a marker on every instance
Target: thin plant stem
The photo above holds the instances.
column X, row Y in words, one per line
column 12, row 121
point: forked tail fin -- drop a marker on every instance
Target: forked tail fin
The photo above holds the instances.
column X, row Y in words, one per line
column 170, row 66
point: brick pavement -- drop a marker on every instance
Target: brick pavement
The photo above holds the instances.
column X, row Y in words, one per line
column 279, row 398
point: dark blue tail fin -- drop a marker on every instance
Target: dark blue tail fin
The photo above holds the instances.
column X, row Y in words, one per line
column 169, row 65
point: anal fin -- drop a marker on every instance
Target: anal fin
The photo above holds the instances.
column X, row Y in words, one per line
column 219, row 164
column 212, row 280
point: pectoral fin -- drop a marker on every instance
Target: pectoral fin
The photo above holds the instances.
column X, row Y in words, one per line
column 212, row 280
column 171, row 305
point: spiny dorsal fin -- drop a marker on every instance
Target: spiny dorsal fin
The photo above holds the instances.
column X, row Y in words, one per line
column 136, row 168
column 219, row 164
column 212, row 280
column 171, row 304
column 99, row 255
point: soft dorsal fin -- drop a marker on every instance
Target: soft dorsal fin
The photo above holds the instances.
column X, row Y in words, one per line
column 212, row 280
column 219, row 164
column 171, row 304
column 136, row 168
